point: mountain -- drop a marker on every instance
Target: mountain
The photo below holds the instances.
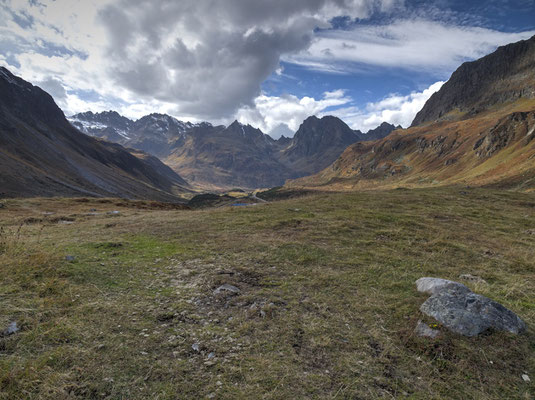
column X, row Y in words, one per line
column 317, row 143
column 41, row 154
column 503, row 76
column 478, row 129
column 234, row 156
column 380, row 132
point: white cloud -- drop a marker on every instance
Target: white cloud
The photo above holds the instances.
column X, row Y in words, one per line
column 395, row 109
column 278, row 115
column 270, row 112
column 416, row 44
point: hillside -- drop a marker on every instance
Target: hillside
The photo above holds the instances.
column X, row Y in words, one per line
column 41, row 154
column 486, row 140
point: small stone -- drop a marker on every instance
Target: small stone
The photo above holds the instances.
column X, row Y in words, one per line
column 211, row 396
column 11, row 329
column 219, row 383
column 211, row 355
column 70, row 258
column 113, row 212
column 423, row 330
column 228, row 289
column 525, row 378
column 196, row 347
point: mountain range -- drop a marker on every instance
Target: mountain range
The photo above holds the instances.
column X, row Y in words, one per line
column 41, row 154
column 237, row 155
column 478, row 129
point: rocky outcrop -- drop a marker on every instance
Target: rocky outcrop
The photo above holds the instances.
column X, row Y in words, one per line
column 518, row 124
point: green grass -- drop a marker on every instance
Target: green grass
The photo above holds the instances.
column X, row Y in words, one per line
column 327, row 306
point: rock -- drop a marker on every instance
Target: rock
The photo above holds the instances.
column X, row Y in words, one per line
column 196, row 347
column 466, row 313
column 472, row 278
column 113, row 212
column 525, row 378
column 530, row 232
column 11, row 329
column 228, row 289
column 423, row 330
column 211, row 355
column 433, row 285
column 70, row 258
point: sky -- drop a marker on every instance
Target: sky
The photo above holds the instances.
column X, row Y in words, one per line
column 268, row 63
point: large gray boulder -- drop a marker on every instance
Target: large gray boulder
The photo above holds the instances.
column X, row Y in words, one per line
column 464, row 312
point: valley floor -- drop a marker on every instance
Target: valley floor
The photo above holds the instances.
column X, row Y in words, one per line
column 326, row 309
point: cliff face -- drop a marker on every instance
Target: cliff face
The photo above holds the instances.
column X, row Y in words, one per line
column 503, row 76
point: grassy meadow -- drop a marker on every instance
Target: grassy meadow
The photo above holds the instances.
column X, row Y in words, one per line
column 326, row 310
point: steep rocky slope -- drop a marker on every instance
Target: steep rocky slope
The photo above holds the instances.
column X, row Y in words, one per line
column 505, row 75
column 41, row 154
column 477, row 130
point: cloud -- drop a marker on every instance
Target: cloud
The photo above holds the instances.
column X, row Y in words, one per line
column 278, row 115
column 395, row 109
column 210, row 57
column 417, row 44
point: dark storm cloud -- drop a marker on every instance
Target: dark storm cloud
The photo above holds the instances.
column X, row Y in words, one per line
column 210, row 57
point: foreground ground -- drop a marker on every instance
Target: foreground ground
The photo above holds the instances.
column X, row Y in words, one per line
column 327, row 305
